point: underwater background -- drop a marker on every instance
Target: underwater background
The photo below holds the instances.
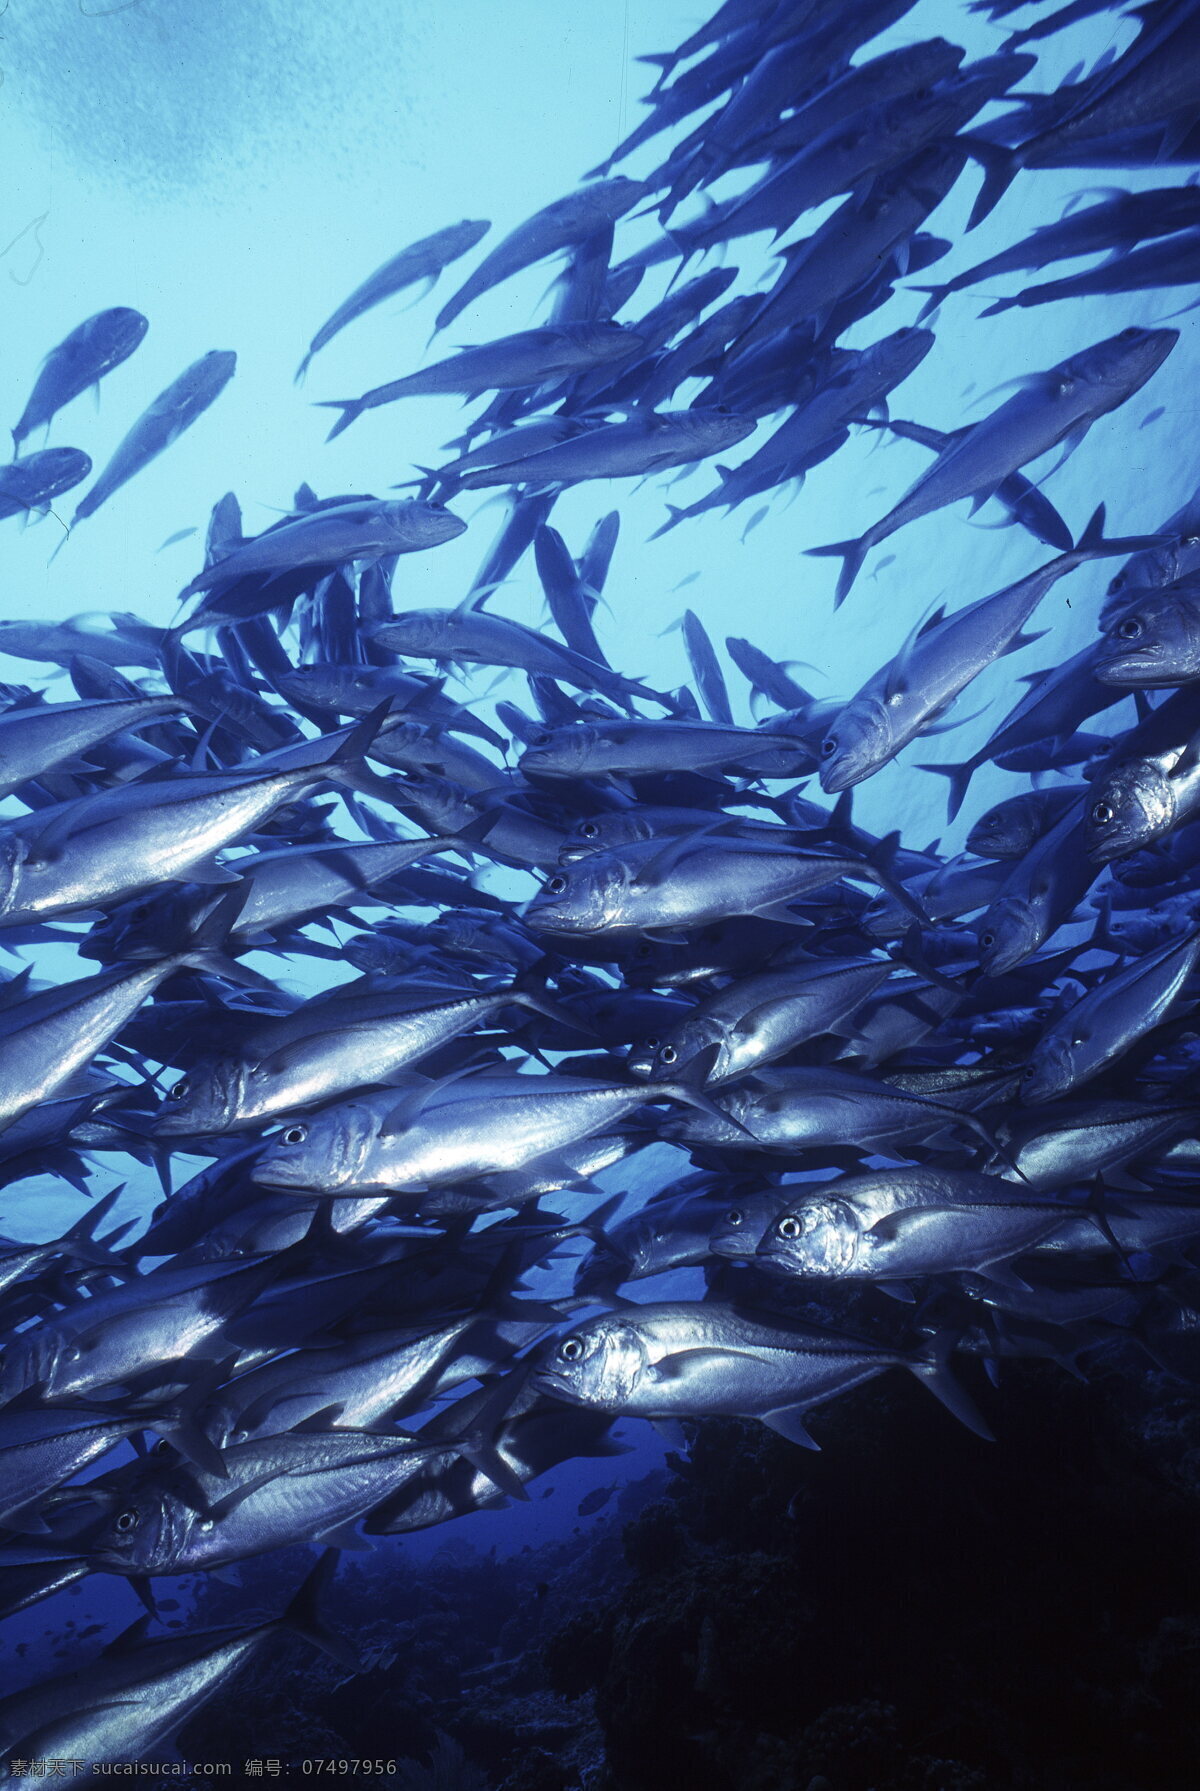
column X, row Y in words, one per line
column 913, row 1608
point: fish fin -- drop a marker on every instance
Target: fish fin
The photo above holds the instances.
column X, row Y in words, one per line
column 999, row 305
column 185, row 1435
column 130, row 1638
column 852, row 554
column 302, row 1614
column 788, row 1420
column 937, row 296
column 479, row 1446
column 207, row 870
column 223, row 1507
column 344, row 1536
column 933, row 1370
column 351, row 409
column 1000, row 168
column 682, row 1364
column 960, row 776
column 316, row 1424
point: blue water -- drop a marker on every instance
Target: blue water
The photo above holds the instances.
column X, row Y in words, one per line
column 233, row 171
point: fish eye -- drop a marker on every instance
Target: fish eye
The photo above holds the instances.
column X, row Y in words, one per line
column 589, row 830
column 140, row 912
column 571, row 1349
column 987, row 940
column 652, row 1044
column 128, row 1520
column 1129, row 629
column 177, row 1091
column 1029, row 1070
column 295, row 1135
column 734, row 1217
column 789, row 1227
column 556, row 886
column 1102, row 814
column 1130, row 334
column 668, row 1054
column 829, row 746
column 540, row 740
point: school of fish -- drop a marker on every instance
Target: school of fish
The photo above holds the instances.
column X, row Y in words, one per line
column 936, row 1109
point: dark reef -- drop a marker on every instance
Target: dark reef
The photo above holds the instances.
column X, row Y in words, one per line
column 912, row 1609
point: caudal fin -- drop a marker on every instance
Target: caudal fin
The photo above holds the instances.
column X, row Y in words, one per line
column 351, row 409
column 960, row 777
column 303, row 1617
column 1000, row 168
column 852, row 554
column 937, row 296
column 933, row 1369
column 998, row 305
column 674, row 518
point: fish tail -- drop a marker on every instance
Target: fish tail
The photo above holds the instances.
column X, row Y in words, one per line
column 674, row 517
column 998, row 305
column 960, row 776
column 882, row 861
column 205, row 950
column 479, row 1444
column 852, row 554
column 937, row 296
column 689, row 1090
column 1000, row 169
column 82, row 1242
column 529, row 992
column 184, row 1434
column 351, row 409
column 303, row 1618
column 932, row 1368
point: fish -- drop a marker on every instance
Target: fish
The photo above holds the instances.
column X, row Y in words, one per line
column 434, row 1135
column 32, row 483
column 420, row 261
column 126, row 839
column 326, row 538
column 677, row 1360
column 529, row 358
column 128, row 1703
column 175, row 409
column 1153, row 83
column 558, row 226
column 328, row 1047
column 807, row 1108
column 755, row 1021
column 471, row 635
column 936, row 663
column 1118, row 221
column 1175, row 261
column 92, row 349
column 1154, row 643
column 36, row 738
column 1108, row 1020
column 646, row 443
column 1050, row 408
column 684, row 882
column 904, row 1222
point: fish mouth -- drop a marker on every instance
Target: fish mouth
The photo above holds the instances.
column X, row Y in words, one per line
column 548, row 1380
column 834, row 778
